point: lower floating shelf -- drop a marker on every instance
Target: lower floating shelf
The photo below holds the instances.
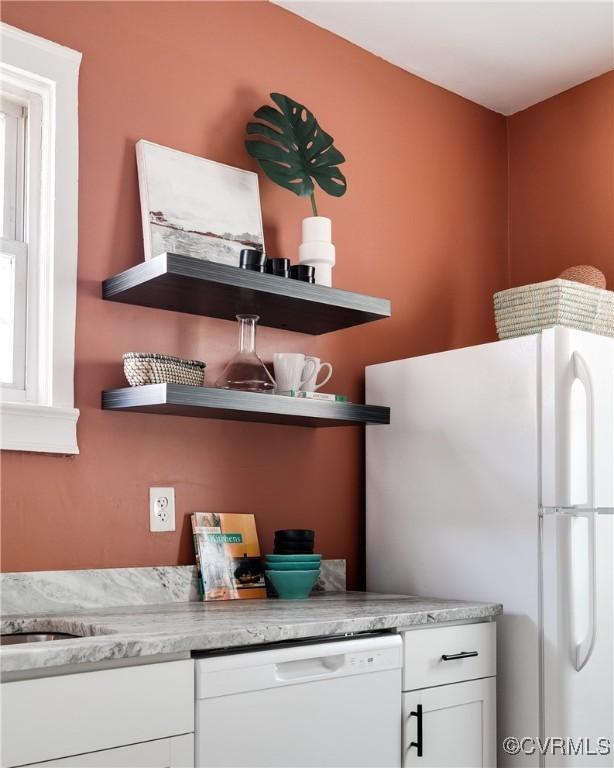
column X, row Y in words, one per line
column 211, row 403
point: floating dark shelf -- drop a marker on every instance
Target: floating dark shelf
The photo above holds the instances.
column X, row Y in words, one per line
column 185, row 284
column 211, row 403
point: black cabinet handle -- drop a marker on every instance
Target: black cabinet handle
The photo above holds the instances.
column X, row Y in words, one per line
column 418, row 743
column 461, row 655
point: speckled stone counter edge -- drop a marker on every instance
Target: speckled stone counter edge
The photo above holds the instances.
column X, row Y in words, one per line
column 146, row 631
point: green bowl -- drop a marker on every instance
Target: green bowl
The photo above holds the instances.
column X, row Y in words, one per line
column 293, row 558
column 293, row 585
column 273, row 566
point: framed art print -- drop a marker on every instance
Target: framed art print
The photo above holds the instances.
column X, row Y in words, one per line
column 196, row 207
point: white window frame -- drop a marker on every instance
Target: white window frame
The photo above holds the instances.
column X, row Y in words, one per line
column 41, row 416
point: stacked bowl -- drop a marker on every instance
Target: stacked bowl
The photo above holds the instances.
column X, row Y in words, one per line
column 293, row 569
column 294, row 541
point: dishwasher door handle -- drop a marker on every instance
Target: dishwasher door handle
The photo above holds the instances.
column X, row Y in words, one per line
column 306, row 669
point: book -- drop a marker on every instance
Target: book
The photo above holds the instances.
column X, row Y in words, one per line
column 227, row 556
column 315, row 395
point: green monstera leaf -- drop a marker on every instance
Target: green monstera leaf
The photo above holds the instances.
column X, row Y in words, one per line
column 294, row 151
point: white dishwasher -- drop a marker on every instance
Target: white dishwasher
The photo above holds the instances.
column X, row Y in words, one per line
column 313, row 705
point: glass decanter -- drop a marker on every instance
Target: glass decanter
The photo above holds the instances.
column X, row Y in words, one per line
column 246, row 371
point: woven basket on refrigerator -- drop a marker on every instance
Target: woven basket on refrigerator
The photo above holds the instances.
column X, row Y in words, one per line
column 532, row 308
column 152, row 368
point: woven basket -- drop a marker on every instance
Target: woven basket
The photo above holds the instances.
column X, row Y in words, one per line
column 532, row 308
column 152, row 368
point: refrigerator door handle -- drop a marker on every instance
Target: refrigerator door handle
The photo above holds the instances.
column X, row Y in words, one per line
column 582, row 373
column 584, row 649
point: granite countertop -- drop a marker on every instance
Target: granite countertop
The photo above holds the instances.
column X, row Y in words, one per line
column 182, row 627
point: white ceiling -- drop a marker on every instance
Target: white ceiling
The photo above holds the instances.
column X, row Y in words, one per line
column 505, row 55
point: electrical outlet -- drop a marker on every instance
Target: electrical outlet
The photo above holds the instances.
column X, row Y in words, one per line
column 161, row 509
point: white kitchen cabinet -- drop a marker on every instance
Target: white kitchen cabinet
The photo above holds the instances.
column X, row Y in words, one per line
column 457, row 724
column 449, row 698
column 72, row 715
column 176, row 752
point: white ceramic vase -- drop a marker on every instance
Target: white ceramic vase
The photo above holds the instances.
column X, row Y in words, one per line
column 317, row 249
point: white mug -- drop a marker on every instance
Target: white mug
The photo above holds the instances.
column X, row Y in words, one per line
column 291, row 370
column 311, row 384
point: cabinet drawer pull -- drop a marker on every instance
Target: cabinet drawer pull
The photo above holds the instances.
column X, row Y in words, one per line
column 461, row 655
column 418, row 743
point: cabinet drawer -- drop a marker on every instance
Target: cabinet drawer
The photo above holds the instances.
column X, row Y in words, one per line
column 55, row 717
column 425, row 651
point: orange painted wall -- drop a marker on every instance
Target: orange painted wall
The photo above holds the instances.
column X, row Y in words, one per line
column 423, row 222
column 561, row 183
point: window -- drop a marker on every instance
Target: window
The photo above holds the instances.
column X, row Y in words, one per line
column 38, row 242
column 13, row 247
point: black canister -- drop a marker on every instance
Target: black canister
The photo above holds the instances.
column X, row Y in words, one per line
column 279, row 267
column 303, row 272
column 252, row 259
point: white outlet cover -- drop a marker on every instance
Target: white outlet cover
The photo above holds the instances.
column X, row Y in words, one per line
column 161, row 509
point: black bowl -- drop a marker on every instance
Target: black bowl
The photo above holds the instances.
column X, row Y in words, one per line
column 295, row 534
column 286, row 543
column 294, row 542
column 286, row 549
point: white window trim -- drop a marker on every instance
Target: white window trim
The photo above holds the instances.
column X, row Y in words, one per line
column 47, row 419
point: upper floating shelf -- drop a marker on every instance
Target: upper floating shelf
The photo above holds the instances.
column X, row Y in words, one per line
column 211, row 403
column 186, row 284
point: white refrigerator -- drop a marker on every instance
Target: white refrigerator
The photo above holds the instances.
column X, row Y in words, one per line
column 495, row 481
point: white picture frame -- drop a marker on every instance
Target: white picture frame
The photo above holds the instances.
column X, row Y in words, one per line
column 196, row 207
